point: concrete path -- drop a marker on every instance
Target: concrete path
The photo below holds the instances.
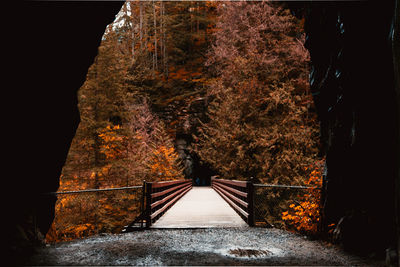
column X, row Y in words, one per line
column 201, row 207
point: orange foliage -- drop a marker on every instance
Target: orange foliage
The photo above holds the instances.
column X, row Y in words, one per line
column 111, row 141
column 84, row 214
column 304, row 216
column 180, row 74
column 164, row 163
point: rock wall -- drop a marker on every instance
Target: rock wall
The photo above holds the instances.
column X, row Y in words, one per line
column 194, row 167
column 353, row 81
column 54, row 43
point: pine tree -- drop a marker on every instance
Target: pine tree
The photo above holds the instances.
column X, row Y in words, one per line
column 258, row 122
column 170, row 46
column 101, row 104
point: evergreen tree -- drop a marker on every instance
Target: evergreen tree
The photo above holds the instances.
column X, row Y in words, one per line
column 259, row 124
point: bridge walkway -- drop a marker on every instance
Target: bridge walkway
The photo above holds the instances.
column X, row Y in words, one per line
column 201, row 207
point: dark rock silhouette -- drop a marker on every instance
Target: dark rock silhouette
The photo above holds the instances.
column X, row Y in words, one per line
column 355, row 85
column 56, row 42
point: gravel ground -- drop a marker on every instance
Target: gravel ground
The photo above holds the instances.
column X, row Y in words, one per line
column 212, row 246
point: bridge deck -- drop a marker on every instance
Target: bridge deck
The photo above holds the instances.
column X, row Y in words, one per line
column 201, row 207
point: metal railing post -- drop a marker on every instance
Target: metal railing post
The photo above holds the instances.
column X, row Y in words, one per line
column 142, row 202
column 148, row 204
column 250, row 199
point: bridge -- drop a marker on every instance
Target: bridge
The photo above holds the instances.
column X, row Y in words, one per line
column 177, row 204
column 201, row 207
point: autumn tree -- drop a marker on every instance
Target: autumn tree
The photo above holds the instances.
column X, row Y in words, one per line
column 101, row 101
column 156, row 59
column 120, row 142
column 305, row 215
column 156, row 51
column 150, row 150
column 259, row 124
column 170, row 42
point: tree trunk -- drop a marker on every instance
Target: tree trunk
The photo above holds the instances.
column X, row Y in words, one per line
column 161, row 31
column 96, row 146
column 165, row 57
column 133, row 31
column 155, row 65
column 141, row 24
column 197, row 17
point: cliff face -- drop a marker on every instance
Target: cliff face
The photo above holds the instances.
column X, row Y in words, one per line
column 194, row 167
column 353, row 81
column 55, row 43
column 352, row 47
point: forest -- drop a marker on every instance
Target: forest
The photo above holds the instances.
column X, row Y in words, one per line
column 229, row 79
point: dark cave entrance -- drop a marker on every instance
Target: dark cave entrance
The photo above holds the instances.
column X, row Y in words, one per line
column 194, row 168
column 202, row 173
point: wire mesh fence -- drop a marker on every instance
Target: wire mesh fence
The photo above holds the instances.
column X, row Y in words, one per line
column 287, row 207
column 83, row 213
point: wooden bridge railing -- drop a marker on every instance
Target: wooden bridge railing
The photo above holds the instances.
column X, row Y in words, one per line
column 239, row 195
column 160, row 196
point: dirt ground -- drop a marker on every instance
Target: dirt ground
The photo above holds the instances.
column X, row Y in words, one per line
column 212, row 246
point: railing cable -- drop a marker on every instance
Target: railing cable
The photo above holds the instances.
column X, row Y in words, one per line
column 286, row 186
column 93, row 190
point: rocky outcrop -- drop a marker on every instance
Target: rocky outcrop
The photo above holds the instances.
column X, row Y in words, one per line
column 194, row 168
column 353, row 81
column 55, row 42
column 182, row 148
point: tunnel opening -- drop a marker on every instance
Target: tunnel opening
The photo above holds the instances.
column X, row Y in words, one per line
column 335, row 131
column 194, row 168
